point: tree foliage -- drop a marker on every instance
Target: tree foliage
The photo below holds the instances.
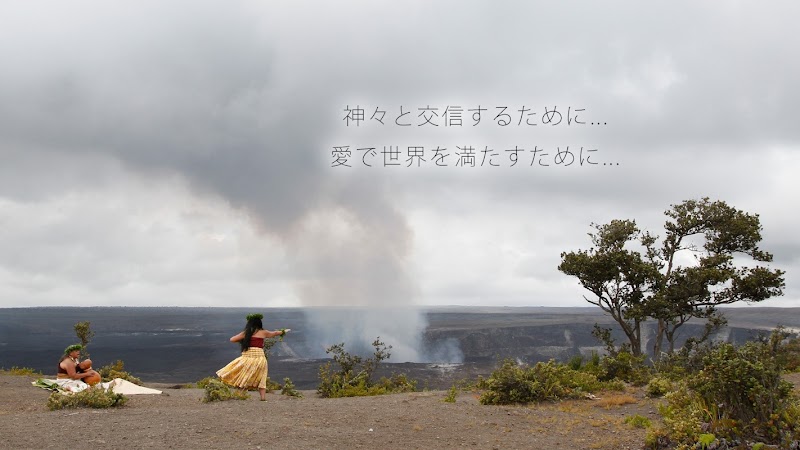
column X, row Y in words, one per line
column 85, row 334
column 698, row 266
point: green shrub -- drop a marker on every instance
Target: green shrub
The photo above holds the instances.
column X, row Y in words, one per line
column 575, row 362
column 93, row 397
column 273, row 386
column 398, row 383
column 205, row 381
column 481, row 383
column 511, row 383
column 594, row 366
column 735, row 393
column 451, row 395
column 117, row 370
column 705, row 440
column 637, row 421
column 624, row 366
column 353, row 377
column 289, row 389
column 684, row 415
column 790, row 352
column 217, row 391
column 658, row 386
column 656, row 438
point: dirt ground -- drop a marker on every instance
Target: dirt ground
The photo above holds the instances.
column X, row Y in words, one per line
column 421, row 420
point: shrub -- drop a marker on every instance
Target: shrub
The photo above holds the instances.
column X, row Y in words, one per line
column 575, row 362
column 451, row 395
column 289, row 389
column 637, row 421
column 512, row 383
column 737, row 393
column 353, row 377
column 480, row 384
column 217, row 391
column 592, row 365
column 205, row 381
column 624, row 366
column 93, row 397
column 658, row 386
column 793, row 355
column 274, row 386
column 684, row 415
column 656, row 438
column 398, row 383
column 117, row 370
column 705, row 440
column 788, row 349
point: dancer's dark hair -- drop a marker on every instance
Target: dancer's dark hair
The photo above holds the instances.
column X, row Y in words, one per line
column 253, row 324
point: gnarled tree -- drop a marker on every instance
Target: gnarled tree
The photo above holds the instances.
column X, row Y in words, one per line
column 619, row 278
column 633, row 278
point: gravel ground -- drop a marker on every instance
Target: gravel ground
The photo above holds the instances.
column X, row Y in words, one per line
column 178, row 419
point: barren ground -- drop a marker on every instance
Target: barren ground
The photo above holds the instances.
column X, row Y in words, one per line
column 177, row 419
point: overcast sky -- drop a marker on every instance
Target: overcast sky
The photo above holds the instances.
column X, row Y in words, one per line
column 182, row 153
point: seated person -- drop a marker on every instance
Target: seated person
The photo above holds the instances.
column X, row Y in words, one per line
column 72, row 368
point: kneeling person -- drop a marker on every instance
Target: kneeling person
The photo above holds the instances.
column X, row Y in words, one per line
column 71, row 367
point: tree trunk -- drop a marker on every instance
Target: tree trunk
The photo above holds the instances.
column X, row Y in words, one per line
column 659, row 341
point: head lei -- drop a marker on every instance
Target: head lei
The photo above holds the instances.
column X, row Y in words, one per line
column 72, row 348
column 254, row 316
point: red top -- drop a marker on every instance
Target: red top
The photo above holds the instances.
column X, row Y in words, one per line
column 256, row 341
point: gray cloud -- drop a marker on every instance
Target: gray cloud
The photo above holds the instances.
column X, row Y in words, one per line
column 239, row 105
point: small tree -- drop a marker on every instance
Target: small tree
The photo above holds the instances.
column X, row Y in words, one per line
column 355, row 374
column 85, row 335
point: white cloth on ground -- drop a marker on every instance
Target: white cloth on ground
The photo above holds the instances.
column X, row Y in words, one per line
column 117, row 385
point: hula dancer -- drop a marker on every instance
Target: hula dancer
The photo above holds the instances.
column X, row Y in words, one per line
column 250, row 369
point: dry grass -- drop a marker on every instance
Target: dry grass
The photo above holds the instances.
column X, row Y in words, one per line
column 605, row 443
column 21, row 371
column 615, row 400
column 571, row 407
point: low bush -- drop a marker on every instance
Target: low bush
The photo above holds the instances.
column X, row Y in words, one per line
column 93, row 397
column 637, row 421
column 735, row 393
column 511, row 383
column 353, row 377
column 274, row 386
column 657, row 387
column 624, row 366
column 289, row 389
column 205, row 381
column 451, row 395
column 117, row 370
column 217, row 391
